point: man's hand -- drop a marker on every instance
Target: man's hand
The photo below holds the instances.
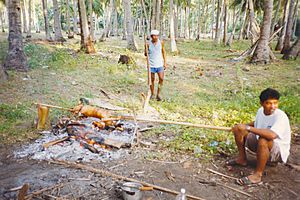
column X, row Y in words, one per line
column 165, row 66
column 241, row 128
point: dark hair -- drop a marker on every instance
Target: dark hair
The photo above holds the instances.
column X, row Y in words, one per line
column 269, row 93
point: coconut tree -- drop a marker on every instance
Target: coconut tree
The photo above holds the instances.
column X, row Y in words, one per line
column 3, row 74
column 289, row 27
column 187, row 17
column 172, row 31
column 75, row 21
column 131, row 44
column 70, row 35
column 46, row 21
column 218, row 21
column 213, row 18
column 35, row 19
column 262, row 51
column 108, row 21
column 16, row 58
column 29, row 19
column 283, row 22
column 275, row 19
column 2, row 15
column 146, row 17
column 86, row 42
column 57, row 25
column 294, row 51
column 91, row 19
column 230, row 39
column 155, row 19
column 24, row 16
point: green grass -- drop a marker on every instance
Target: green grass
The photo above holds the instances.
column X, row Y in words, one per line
column 221, row 93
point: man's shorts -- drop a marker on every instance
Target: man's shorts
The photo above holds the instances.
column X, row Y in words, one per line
column 156, row 69
column 252, row 142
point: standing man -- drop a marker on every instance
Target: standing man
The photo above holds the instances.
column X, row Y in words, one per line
column 269, row 136
column 157, row 61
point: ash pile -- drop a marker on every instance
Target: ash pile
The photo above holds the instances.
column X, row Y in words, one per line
column 85, row 139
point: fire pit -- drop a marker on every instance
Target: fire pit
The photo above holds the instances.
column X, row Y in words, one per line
column 83, row 140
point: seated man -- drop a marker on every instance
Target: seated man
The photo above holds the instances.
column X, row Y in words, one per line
column 269, row 136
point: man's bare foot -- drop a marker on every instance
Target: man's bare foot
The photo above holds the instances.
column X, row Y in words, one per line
column 158, row 98
column 235, row 162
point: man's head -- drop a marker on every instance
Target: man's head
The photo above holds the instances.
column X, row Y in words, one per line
column 154, row 35
column 269, row 99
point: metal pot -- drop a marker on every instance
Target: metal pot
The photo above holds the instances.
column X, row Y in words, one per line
column 131, row 191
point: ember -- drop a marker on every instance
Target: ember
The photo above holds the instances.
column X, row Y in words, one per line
column 85, row 139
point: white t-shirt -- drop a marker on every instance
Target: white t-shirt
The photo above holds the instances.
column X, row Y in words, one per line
column 279, row 123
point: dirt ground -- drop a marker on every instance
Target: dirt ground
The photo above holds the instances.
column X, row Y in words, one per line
column 280, row 182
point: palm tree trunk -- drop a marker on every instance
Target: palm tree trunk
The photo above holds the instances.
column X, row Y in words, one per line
column 225, row 22
column 251, row 22
column 70, row 35
column 75, row 21
column 92, row 26
column 274, row 21
column 3, row 74
column 243, row 21
column 288, row 33
column 218, row 24
column 29, row 19
column 153, row 14
column 86, row 42
column 146, row 17
column 262, row 51
column 213, row 19
column 124, row 37
column 116, row 21
column 23, row 8
column 57, row 25
column 2, row 21
column 108, row 21
column 230, row 39
column 293, row 52
column 199, row 23
column 46, row 21
column 35, row 18
column 129, row 26
column 161, row 16
column 283, row 23
column 181, row 22
column 172, row 31
column 16, row 58
column 176, row 10
column 187, row 18
column 296, row 14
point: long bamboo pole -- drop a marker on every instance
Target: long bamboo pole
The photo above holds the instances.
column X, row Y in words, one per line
column 185, row 124
column 147, row 99
column 52, row 106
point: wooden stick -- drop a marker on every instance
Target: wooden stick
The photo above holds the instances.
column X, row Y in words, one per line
column 43, row 190
column 219, row 173
column 185, row 124
column 179, row 123
column 237, row 190
column 106, row 173
column 52, row 106
column 23, row 192
column 147, row 99
column 48, row 144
